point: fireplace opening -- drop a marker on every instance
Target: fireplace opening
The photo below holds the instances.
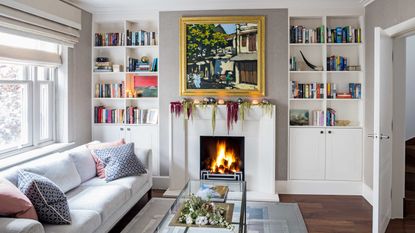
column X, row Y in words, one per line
column 222, row 158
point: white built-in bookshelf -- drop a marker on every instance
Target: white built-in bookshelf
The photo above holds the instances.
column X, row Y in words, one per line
column 316, row 53
column 143, row 133
column 324, row 155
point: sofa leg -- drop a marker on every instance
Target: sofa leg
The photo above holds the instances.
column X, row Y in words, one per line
column 149, row 195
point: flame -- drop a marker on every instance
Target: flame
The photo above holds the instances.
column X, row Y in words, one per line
column 226, row 161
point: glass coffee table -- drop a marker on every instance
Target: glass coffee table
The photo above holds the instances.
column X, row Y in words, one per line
column 235, row 196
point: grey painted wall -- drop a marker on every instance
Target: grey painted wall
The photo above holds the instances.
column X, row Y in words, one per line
column 80, row 84
column 382, row 13
column 276, row 74
column 410, row 87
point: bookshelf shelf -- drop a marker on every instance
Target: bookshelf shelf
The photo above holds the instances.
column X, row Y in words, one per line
column 140, row 46
column 305, row 99
column 307, row 44
column 108, row 47
column 344, row 72
column 344, row 44
column 306, row 72
column 107, row 73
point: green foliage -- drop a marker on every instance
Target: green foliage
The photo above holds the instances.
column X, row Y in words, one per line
column 203, row 41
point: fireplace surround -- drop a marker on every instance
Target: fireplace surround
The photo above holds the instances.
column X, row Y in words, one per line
column 259, row 132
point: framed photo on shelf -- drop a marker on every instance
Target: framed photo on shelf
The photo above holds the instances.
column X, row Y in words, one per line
column 299, row 117
column 222, row 56
column 152, row 116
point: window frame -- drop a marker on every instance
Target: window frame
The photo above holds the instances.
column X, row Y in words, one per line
column 32, row 100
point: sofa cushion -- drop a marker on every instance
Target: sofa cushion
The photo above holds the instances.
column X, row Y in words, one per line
column 133, row 183
column 100, row 168
column 83, row 221
column 84, row 162
column 106, row 200
column 14, row 203
column 120, row 162
column 20, row 225
column 49, row 201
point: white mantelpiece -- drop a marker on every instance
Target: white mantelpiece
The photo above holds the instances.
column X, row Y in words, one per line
column 258, row 128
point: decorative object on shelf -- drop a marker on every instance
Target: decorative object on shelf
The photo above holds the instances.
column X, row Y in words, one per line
column 229, row 61
column 103, row 64
column 299, row 117
column 353, row 68
column 255, row 102
column 196, row 101
column 116, row 68
column 204, row 213
column 241, row 107
column 221, row 102
column 146, row 86
column 343, row 122
column 144, row 59
column 313, row 67
column 232, row 114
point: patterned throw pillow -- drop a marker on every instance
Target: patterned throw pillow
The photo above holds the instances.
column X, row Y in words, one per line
column 96, row 146
column 48, row 199
column 120, row 162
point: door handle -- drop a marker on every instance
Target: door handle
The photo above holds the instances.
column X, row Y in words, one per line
column 384, row 136
column 372, row 136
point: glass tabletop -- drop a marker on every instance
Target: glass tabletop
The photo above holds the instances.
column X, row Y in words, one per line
column 236, row 198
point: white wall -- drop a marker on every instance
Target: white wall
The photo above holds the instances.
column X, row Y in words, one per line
column 410, row 87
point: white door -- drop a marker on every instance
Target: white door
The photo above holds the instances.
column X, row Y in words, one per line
column 307, row 153
column 344, row 154
column 382, row 151
column 107, row 133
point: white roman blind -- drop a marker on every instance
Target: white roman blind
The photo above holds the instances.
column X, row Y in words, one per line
column 49, row 20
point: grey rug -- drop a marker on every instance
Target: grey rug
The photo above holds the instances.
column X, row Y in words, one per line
column 262, row 217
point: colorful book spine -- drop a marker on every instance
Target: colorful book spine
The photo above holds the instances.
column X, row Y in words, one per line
column 110, row 90
column 109, row 39
column 108, row 115
column 307, row 90
column 300, row 34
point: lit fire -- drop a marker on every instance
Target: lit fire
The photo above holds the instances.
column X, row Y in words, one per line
column 226, row 161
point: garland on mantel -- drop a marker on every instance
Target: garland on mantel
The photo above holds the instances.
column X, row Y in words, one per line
column 236, row 110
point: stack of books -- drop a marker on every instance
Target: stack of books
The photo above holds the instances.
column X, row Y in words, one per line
column 307, row 90
column 300, row 34
column 109, row 90
column 102, row 64
column 107, row 115
column 141, row 38
column 336, row 63
column 109, row 39
column 355, row 90
column 331, row 117
column 344, row 35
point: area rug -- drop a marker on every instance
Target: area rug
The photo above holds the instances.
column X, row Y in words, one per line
column 262, row 217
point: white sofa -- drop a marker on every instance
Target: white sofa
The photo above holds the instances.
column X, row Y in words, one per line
column 95, row 205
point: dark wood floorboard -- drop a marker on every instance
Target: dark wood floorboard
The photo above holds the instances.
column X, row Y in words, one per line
column 321, row 213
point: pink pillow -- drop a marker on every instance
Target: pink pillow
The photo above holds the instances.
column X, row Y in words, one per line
column 13, row 203
column 98, row 163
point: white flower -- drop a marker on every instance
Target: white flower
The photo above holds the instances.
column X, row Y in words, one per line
column 201, row 220
column 189, row 220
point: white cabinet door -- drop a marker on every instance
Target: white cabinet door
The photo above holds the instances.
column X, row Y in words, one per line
column 107, row 133
column 344, row 154
column 307, row 153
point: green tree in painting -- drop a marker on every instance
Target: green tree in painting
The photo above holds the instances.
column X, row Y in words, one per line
column 203, row 40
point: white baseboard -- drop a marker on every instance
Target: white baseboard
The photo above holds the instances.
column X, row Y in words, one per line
column 319, row 187
column 161, row 182
column 367, row 193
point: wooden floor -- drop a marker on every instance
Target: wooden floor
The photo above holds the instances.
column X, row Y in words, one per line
column 322, row 214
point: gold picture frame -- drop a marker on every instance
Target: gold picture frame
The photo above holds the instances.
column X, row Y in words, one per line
column 222, row 56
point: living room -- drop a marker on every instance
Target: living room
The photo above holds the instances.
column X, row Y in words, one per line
column 207, row 116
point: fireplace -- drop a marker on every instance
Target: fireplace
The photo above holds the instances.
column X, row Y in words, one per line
column 222, row 158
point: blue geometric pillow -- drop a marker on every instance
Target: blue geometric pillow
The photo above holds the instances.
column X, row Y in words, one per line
column 120, row 162
column 48, row 199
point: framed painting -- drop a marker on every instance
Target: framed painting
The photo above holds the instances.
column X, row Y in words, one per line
column 222, row 56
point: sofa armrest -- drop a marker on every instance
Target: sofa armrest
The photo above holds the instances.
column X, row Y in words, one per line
column 20, row 225
column 145, row 156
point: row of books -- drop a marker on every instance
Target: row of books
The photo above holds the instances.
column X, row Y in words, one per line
column 344, row 35
column 293, row 63
column 141, row 38
column 307, row 91
column 300, row 34
column 136, row 115
column 337, row 63
column 355, row 90
column 110, row 90
column 109, row 39
column 317, row 118
column 108, row 115
column 331, row 117
column 331, row 91
column 136, row 65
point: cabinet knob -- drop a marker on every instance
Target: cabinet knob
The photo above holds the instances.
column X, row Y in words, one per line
column 329, row 131
column 122, row 129
column 321, row 132
column 128, row 129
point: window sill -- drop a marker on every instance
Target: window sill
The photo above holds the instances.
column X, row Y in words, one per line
column 32, row 154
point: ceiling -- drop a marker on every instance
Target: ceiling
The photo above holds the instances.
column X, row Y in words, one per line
column 111, row 6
